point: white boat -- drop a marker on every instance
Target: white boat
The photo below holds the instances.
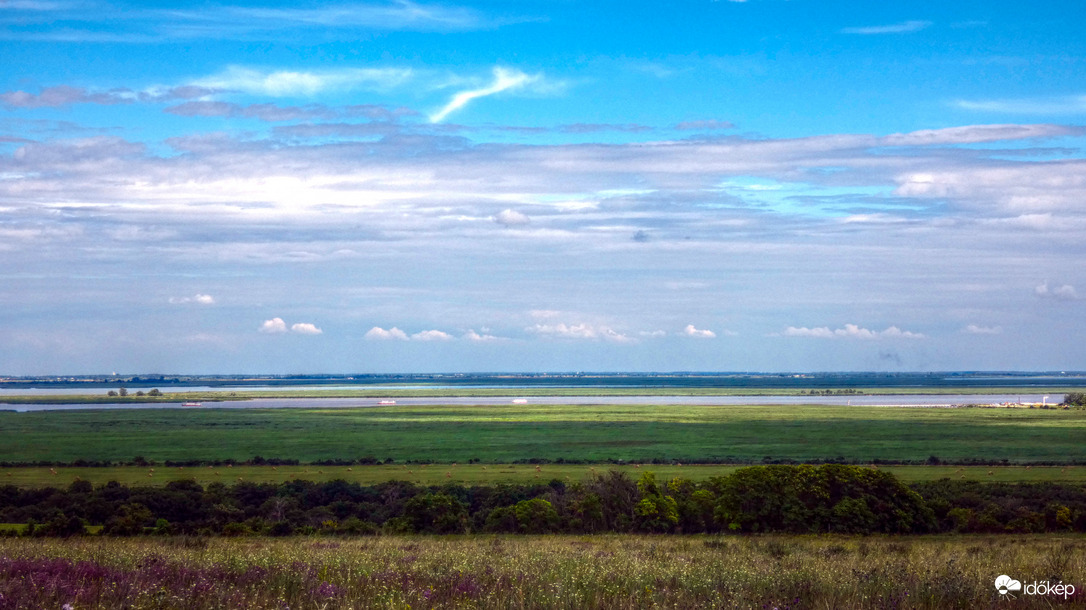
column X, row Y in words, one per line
column 192, row 404
column 520, row 401
column 386, row 402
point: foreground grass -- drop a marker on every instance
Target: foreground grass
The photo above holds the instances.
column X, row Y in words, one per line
column 508, row 433
column 537, row 572
column 482, row 474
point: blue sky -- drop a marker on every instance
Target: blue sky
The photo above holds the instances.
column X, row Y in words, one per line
column 346, row 187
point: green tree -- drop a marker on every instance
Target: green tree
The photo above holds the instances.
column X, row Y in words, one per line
column 654, row 512
column 129, row 521
column 1075, row 399
column 436, row 514
column 536, row 516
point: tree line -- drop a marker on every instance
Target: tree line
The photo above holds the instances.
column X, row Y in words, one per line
column 775, row 498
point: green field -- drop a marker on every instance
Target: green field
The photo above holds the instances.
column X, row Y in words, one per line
column 508, row 433
column 481, row 474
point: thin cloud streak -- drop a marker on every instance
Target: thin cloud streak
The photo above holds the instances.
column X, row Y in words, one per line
column 85, row 22
column 895, row 28
column 1072, row 104
column 504, row 80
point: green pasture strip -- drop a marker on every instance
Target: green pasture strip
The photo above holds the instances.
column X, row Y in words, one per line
column 482, row 474
column 509, row 433
column 1056, row 393
column 20, row 528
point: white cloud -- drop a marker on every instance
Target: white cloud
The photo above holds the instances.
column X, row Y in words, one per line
column 1068, row 104
column 281, row 83
column 851, row 331
column 198, row 299
column 379, row 334
column 972, row 134
column 1066, row 292
column 652, row 334
column 704, row 125
column 504, row 80
column 511, row 218
column 78, row 21
column 690, row 331
column 894, row 28
column 273, row 326
column 580, row 331
column 63, row 95
column 974, row 329
column 402, row 15
column 544, row 313
column 431, row 335
column 305, row 328
column 471, row 335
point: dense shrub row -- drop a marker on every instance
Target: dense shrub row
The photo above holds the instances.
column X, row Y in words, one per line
column 778, row 498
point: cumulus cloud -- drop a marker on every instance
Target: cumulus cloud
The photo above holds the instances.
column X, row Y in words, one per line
column 511, row 218
column 305, row 328
column 579, row 331
column 851, row 331
column 379, row 334
column 395, row 334
column 505, row 79
column 1065, row 292
column 276, row 326
column 471, row 335
column 690, row 331
column 198, row 299
column 273, row 326
column 974, row 329
column 431, row 335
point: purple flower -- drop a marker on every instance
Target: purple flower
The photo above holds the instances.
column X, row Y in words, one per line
column 326, row 589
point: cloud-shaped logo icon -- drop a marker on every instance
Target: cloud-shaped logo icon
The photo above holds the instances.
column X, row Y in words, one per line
column 1005, row 584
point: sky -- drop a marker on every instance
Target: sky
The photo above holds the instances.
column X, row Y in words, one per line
column 395, row 187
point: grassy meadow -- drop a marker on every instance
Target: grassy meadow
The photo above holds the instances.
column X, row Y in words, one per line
column 482, row 474
column 601, row 572
column 509, row 433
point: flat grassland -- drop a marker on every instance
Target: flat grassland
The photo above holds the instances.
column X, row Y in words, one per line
column 482, row 474
column 510, row 433
column 597, row 572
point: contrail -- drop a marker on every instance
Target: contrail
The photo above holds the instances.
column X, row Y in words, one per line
column 503, row 80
